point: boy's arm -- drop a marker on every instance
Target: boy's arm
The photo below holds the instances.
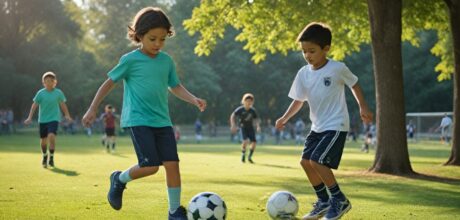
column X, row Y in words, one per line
column 291, row 111
column 181, row 92
column 31, row 113
column 102, row 92
column 232, row 123
column 65, row 110
column 366, row 114
column 257, row 121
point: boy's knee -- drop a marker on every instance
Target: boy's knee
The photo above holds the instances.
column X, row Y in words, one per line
column 305, row 163
column 151, row 170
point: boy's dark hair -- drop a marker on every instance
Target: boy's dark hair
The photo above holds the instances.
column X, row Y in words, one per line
column 146, row 19
column 48, row 75
column 317, row 33
column 108, row 107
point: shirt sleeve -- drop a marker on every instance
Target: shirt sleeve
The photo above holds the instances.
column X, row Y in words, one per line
column 298, row 90
column 37, row 98
column 62, row 97
column 173, row 80
column 254, row 112
column 120, row 71
column 348, row 77
column 237, row 111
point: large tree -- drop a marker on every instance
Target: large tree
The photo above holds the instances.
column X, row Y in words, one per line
column 454, row 14
column 385, row 19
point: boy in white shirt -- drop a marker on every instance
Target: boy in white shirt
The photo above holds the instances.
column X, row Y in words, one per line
column 321, row 83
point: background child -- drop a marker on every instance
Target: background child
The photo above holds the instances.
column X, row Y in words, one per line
column 147, row 74
column 246, row 116
column 108, row 118
column 48, row 99
column 321, row 83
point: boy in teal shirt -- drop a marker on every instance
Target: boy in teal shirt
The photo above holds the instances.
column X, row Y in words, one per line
column 48, row 99
column 147, row 74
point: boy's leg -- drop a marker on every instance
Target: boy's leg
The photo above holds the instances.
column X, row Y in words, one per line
column 173, row 181
column 43, row 145
column 251, row 151
column 52, row 141
column 243, row 150
column 113, row 142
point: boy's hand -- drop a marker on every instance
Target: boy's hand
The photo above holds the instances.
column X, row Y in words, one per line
column 201, row 104
column 280, row 123
column 28, row 121
column 68, row 118
column 233, row 129
column 366, row 115
column 258, row 128
column 88, row 118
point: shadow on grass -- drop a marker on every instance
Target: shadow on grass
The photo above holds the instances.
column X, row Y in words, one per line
column 275, row 166
column 432, row 178
column 119, row 155
column 65, row 172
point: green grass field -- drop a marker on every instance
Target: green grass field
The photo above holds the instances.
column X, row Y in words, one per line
column 76, row 188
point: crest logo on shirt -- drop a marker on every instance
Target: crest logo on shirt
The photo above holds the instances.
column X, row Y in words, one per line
column 327, row 81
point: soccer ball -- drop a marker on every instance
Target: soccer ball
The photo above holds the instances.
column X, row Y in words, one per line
column 282, row 205
column 207, row 206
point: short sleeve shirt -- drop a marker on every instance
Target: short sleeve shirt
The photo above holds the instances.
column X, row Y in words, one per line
column 324, row 90
column 48, row 104
column 146, row 82
column 245, row 117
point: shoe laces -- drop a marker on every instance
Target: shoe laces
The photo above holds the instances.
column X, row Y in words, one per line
column 317, row 207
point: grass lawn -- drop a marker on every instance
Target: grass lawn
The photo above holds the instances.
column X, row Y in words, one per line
column 77, row 187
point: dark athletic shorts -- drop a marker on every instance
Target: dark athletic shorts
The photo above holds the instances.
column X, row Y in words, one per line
column 154, row 145
column 110, row 132
column 248, row 133
column 48, row 127
column 325, row 148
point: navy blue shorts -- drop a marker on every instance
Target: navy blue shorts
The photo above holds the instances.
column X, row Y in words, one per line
column 154, row 145
column 248, row 133
column 325, row 148
column 109, row 132
column 48, row 127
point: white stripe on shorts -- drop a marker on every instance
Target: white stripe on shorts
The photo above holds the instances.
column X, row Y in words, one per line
column 337, row 133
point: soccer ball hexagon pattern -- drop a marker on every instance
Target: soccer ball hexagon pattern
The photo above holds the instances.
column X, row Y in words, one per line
column 282, row 205
column 206, row 206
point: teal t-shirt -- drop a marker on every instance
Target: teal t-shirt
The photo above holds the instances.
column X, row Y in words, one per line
column 48, row 104
column 146, row 81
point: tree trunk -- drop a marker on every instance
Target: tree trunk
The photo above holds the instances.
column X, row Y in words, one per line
column 392, row 155
column 454, row 11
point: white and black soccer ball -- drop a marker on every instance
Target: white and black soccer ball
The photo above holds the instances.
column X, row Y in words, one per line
column 282, row 205
column 207, row 206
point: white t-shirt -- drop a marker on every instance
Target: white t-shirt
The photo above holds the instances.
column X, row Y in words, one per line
column 446, row 121
column 324, row 90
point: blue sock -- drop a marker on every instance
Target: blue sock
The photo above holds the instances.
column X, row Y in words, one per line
column 336, row 193
column 174, row 198
column 124, row 176
column 321, row 192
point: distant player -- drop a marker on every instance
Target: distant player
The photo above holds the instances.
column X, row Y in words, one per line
column 246, row 116
column 109, row 118
column 48, row 100
column 410, row 129
column 446, row 122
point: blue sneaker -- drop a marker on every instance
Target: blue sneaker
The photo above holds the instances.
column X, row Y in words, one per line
column 179, row 214
column 115, row 195
column 338, row 208
column 319, row 209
